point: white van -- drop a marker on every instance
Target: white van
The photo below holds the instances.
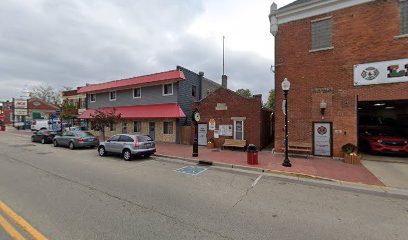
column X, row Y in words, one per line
column 46, row 124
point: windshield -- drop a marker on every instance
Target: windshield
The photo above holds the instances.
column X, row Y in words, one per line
column 84, row 134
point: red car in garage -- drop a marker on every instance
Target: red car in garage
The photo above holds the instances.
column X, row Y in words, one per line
column 383, row 141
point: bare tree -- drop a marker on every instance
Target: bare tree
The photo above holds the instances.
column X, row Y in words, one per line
column 47, row 94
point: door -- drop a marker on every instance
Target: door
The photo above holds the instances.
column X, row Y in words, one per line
column 202, row 134
column 322, row 139
column 239, row 130
column 152, row 129
column 112, row 144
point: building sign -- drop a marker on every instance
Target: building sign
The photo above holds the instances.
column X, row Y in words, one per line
column 221, row 107
column 211, row 124
column 381, row 72
column 225, row 130
column 20, row 112
column 322, row 139
column 20, row 103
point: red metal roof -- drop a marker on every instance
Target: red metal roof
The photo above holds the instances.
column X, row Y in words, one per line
column 171, row 110
column 157, row 78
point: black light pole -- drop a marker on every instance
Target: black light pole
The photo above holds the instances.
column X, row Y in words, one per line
column 196, row 119
column 285, row 88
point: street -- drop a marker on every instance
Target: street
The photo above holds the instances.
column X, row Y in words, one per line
column 75, row 194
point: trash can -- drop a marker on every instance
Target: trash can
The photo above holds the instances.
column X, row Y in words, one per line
column 252, row 154
column 2, row 128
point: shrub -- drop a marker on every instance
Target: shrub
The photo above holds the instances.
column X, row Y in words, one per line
column 349, row 148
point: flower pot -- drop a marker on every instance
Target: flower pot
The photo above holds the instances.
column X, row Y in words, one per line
column 352, row 158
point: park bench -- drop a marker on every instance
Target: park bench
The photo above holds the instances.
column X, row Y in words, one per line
column 299, row 148
column 234, row 143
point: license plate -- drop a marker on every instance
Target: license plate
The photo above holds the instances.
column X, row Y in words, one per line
column 90, row 139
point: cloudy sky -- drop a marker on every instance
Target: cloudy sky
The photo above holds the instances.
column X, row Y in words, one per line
column 73, row 42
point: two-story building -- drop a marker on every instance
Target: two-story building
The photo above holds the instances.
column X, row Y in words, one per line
column 78, row 100
column 158, row 104
column 347, row 62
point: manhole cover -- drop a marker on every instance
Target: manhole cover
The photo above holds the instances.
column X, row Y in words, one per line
column 192, row 170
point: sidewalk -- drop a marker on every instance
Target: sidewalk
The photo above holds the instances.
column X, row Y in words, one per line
column 319, row 167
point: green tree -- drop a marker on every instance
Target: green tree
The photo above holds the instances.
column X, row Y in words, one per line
column 271, row 100
column 68, row 110
column 100, row 120
column 244, row 92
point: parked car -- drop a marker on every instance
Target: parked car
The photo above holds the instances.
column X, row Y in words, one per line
column 76, row 139
column 383, row 141
column 128, row 145
column 43, row 136
column 46, row 124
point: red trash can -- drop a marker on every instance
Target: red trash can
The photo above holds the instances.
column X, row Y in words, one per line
column 252, row 155
column 2, row 128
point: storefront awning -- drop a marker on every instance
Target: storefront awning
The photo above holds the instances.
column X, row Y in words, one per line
column 171, row 110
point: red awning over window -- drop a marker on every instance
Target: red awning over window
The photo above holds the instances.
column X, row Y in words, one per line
column 171, row 110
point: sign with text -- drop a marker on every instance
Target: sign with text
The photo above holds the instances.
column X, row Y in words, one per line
column 322, row 139
column 211, row 124
column 225, row 130
column 394, row 71
column 20, row 112
column 20, row 103
column 221, row 107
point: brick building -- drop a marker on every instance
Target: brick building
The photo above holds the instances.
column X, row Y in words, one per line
column 349, row 58
column 240, row 118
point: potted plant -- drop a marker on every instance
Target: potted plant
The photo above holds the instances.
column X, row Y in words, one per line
column 210, row 143
column 351, row 153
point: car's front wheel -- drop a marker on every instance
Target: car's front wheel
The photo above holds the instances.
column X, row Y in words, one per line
column 127, row 155
column 101, row 151
column 43, row 140
column 55, row 143
column 71, row 146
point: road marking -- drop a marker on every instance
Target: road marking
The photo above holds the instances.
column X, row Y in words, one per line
column 256, row 180
column 10, row 229
column 23, row 223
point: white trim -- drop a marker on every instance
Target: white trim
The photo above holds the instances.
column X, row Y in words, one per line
column 321, row 49
column 172, row 89
column 321, row 19
column 90, row 97
column 401, row 36
column 110, row 99
column 235, row 129
column 314, row 8
column 133, row 93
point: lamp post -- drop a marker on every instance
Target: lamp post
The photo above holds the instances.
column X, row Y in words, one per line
column 196, row 118
column 285, row 88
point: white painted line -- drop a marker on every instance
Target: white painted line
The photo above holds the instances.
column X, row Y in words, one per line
column 256, row 180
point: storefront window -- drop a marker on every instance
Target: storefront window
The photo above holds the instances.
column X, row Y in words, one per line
column 137, row 126
column 167, row 127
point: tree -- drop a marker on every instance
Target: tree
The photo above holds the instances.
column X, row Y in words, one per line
column 100, row 120
column 244, row 93
column 47, row 94
column 68, row 110
column 271, row 100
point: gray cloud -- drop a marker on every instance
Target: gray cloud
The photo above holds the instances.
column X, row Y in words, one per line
column 71, row 42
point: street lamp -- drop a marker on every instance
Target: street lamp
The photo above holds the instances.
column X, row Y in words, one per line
column 285, row 88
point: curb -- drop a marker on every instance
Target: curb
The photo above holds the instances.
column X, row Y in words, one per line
column 305, row 177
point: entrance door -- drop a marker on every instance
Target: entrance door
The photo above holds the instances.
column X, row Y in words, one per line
column 202, row 134
column 152, row 129
column 322, row 139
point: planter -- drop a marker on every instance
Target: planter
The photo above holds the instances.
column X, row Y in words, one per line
column 210, row 145
column 352, row 159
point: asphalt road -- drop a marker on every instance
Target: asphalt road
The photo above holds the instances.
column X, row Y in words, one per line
column 67, row 194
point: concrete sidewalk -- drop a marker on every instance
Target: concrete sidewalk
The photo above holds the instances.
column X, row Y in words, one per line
column 314, row 167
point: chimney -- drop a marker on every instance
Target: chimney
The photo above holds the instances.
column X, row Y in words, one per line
column 224, row 81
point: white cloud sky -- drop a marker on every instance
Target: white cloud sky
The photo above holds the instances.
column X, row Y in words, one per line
column 72, row 42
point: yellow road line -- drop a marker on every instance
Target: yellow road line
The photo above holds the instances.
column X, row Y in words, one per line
column 10, row 229
column 23, row 223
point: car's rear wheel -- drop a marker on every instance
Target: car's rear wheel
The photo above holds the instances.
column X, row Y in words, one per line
column 42, row 140
column 101, row 151
column 71, row 146
column 127, row 155
column 55, row 143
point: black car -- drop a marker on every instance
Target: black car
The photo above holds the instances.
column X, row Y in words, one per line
column 44, row 136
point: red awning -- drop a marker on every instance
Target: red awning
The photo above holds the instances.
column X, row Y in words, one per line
column 171, row 110
column 157, row 78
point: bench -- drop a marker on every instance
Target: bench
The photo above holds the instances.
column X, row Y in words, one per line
column 234, row 143
column 299, row 147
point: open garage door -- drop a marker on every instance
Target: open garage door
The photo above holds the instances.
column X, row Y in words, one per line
column 383, row 130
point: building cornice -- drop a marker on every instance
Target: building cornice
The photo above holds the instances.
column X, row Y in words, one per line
column 314, row 8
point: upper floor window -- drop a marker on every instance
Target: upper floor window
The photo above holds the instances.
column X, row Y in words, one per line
column 167, row 89
column 112, row 96
column 322, row 33
column 404, row 16
column 82, row 103
column 194, row 91
column 92, row 97
column 137, row 92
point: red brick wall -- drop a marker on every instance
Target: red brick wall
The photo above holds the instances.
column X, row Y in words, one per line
column 361, row 34
column 237, row 106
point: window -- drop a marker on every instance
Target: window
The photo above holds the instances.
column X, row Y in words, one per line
column 82, row 103
column 239, row 130
column 322, row 33
column 137, row 127
column 93, row 97
column 137, row 92
column 124, row 138
column 112, row 127
column 114, row 138
column 404, row 17
column 167, row 89
column 124, row 127
column 193, row 91
column 167, row 127
column 112, row 96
